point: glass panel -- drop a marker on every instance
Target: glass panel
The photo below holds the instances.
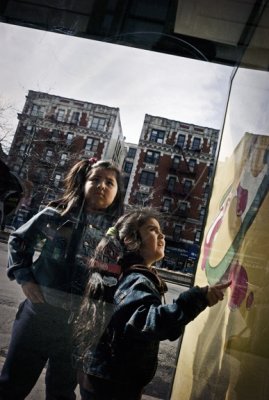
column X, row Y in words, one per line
column 230, row 353
column 135, row 82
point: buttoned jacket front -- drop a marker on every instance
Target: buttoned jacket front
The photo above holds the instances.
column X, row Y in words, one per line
column 52, row 250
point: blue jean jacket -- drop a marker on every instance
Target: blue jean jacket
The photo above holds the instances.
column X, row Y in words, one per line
column 128, row 349
column 52, row 250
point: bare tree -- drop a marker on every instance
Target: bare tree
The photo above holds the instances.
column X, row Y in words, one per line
column 6, row 129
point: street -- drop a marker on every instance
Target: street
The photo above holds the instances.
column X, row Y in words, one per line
column 10, row 297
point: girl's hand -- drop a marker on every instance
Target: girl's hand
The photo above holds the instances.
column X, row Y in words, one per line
column 32, row 291
column 215, row 293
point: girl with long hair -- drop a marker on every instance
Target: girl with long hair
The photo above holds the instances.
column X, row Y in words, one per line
column 119, row 328
column 53, row 279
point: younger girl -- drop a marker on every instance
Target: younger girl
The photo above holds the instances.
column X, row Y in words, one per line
column 117, row 350
column 67, row 233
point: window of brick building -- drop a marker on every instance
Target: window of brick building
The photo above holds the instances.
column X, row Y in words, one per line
column 176, row 162
column 37, row 111
column 91, row 144
column 196, row 144
column 197, row 236
column 49, row 155
column 57, row 179
column 22, row 149
column 202, row 214
column 182, row 208
column 60, row 115
column 131, row 152
column 210, row 170
column 206, row 191
column 192, row 165
column 147, row 178
column 34, row 110
column 98, row 123
column 69, row 137
column 167, row 205
column 214, row 147
column 29, row 129
column 157, row 136
column 181, row 140
column 177, row 232
column 187, row 186
column 128, row 167
column 75, row 117
column 171, row 183
column 55, row 134
column 152, row 157
column 63, row 159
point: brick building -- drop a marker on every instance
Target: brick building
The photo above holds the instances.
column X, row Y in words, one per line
column 170, row 168
column 171, row 171
column 53, row 133
column 127, row 168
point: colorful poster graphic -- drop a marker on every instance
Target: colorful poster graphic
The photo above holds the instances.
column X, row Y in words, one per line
column 225, row 351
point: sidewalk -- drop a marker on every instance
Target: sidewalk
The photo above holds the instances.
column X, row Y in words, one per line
column 38, row 392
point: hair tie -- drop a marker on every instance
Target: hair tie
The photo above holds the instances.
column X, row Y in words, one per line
column 112, row 231
column 92, row 161
column 112, row 268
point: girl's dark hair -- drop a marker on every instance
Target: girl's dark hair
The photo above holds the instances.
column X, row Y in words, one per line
column 95, row 311
column 74, row 187
column 127, row 227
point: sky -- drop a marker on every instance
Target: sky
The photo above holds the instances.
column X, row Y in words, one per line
column 248, row 109
column 136, row 81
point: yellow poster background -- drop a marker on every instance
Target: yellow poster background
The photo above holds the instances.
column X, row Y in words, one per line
column 225, row 351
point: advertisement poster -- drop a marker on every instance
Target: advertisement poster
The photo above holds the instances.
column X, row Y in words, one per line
column 225, row 351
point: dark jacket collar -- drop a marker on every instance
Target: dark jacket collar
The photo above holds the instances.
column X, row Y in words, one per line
column 150, row 273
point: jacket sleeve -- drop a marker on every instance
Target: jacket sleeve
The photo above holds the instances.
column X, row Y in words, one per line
column 22, row 243
column 148, row 319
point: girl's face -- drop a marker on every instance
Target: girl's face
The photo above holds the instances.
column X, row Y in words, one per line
column 153, row 243
column 100, row 189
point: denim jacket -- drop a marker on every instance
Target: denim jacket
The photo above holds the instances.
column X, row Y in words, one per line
column 53, row 250
column 128, row 349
